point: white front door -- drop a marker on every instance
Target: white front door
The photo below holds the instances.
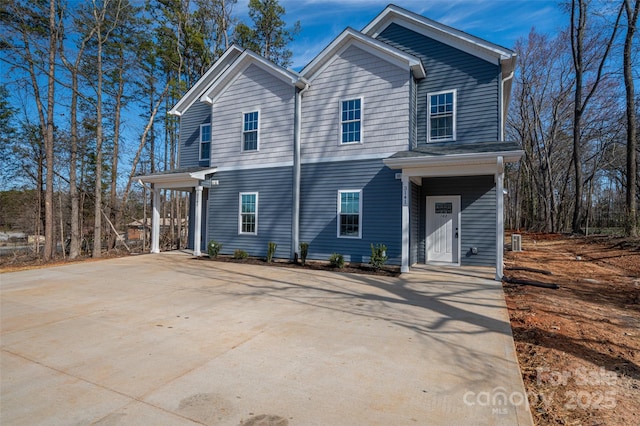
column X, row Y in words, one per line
column 443, row 229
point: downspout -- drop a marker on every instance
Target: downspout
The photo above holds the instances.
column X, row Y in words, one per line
column 502, row 112
column 297, row 132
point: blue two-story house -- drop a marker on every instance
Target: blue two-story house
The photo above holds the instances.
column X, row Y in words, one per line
column 393, row 134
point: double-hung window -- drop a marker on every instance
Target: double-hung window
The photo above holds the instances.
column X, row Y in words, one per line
column 248, row 213
column 351, row 121
column 205, row 142
column 442, row 116
column 250, row 131
column 350, row 213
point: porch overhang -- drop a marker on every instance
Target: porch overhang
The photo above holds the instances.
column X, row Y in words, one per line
column 442, row 160
column 458, row 161
column 177, row 180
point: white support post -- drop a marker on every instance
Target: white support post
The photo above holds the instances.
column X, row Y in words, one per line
column 198, row 219
column 499, row 218
column 155, row 221
column 406, row 202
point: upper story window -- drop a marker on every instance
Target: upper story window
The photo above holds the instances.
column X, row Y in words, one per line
column 248, row 213
column 351, row 121
column 250, row 131
column 350, row 213
column 205, row 142
column 442, row 116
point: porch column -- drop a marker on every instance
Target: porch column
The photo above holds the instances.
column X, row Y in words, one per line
column 198, row 220
column 155, row 221
column 499, row 218
column 406, row 201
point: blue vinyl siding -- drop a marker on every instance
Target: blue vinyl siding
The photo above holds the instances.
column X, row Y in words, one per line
column 273, row 186
column 381, row 209
column 478, row 206
column 475, row 79
column 189, row 138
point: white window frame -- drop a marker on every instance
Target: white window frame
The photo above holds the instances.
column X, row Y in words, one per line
column 240, row 232
column 200, row 158
column 361, row 99
column 455, row 114
column 338, row 216
column 243, row 131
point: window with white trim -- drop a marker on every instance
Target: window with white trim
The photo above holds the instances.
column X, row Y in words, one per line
column 351, row 121
column 250, row 131
column 205, row 142
column 350, row 213
column 248, row 213
column 442, row 116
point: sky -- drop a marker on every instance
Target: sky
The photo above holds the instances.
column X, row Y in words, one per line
column 501, row 22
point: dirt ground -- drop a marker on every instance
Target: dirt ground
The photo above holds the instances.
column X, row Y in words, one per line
column 578, row 345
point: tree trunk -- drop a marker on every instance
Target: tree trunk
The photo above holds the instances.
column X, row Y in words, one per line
column 49, row 243
column 97, row 224
column 577, row 39
column 631, row 222
column 113, row 201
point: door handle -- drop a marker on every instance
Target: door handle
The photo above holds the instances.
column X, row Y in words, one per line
column 456, row 232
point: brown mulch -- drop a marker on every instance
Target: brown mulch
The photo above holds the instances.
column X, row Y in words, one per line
column 578, row 346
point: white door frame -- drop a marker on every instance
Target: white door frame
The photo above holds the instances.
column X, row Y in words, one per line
column 456, row 234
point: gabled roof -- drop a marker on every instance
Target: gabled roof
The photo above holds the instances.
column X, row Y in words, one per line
column 246, row 59
column 350, row 37
column 466, row 42
column 227, row 58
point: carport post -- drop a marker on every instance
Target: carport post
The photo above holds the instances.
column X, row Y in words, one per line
column 198, row 224
column 155, row 221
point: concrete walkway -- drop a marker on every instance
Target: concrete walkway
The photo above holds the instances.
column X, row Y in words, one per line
column 169, row 340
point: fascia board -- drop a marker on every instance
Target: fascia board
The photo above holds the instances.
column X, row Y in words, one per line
column 350, row 37
column 437, row 31
column 239, row 66
column 206, row 80
column 454, row 159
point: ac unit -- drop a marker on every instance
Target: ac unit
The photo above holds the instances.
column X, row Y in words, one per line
column 516, row 242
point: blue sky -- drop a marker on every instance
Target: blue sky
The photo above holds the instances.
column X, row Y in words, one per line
column 498, row 21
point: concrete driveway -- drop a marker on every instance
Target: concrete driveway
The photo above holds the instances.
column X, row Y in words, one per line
column 169, row 340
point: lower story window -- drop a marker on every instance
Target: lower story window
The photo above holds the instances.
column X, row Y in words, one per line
column 350, row 213
column 248, row 220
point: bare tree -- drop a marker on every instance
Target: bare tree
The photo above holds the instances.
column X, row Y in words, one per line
column 631, row 222
column 103, row 29
column 582, row 65
column 74, row 70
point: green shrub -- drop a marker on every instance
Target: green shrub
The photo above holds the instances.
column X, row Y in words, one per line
column 304, row 250
column 240, row 254
column 271, row 250
column 213, row 248
column 378, row 256
column 336, row 260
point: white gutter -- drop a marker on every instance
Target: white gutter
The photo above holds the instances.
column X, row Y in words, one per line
column 297, row 135
column 503, row 104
